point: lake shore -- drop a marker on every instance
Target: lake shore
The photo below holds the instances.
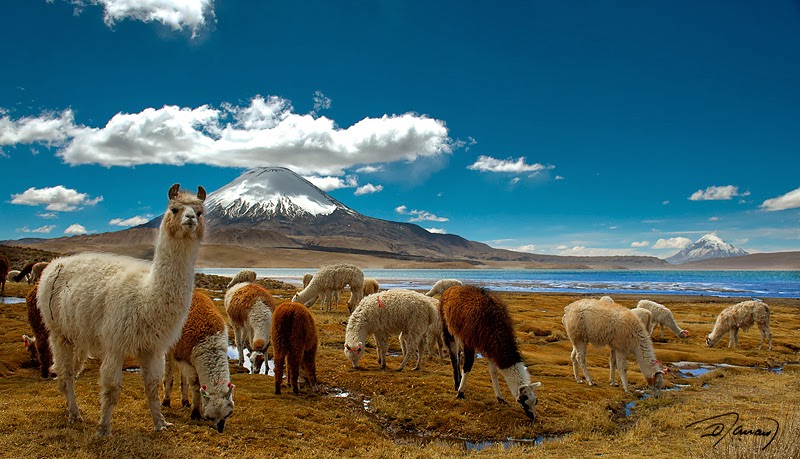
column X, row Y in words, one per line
column 384, row 413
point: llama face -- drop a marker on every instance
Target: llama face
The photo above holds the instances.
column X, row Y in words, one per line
column 257, row 360
column 184, row 215
column 656, row 382
column 527, row 399
column 218, row 403
column 354, row 353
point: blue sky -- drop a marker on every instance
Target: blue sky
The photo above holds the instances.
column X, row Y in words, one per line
column 572, row 128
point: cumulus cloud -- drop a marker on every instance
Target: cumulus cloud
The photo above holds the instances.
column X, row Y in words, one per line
column 75, row 229
column 368, row 189
column 717, row 193
column 42, row 229
column 420, row 215
column 266, row 132
column 637, row 244
column 321, row 102
column 672, row 243
column 133, row 221
column 332, row 183
column 369, row 169
column 47, row 128
column 489, row 164
column 57, row 198
column 530, row 248
column 436, row 230
column 790, row 200
column 175, row 14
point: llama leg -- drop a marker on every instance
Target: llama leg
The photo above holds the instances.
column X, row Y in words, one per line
column 573, row 356
column 310, row 367
column 661, row 327
column 409, row 347
column 765, row 334
column 169, row 375
column 469, row 359
column 495, row 382
column 622, row 368
column 110, row 388
column 185, row 390
column 152, row 373
column 580, row 354
column 64, row 366
column 382, row 342
column 279, row 363
column 612, row 364
column 237, row 335
column 421, row 344
column 295, row 360
column 194, row 385
column 45, row 358
column 734, row 339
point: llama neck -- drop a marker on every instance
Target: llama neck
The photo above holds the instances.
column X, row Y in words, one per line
column 672, row 325
column 719, row 330
column 307, row 293
column 172, row 273
column 210, row 359
column 355, row 332
column 645, row 355
column 516, row 375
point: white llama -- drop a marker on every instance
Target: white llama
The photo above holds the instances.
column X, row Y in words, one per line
column 108, row 306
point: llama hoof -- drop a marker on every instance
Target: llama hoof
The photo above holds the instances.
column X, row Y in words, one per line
column 196, row 415
column 501, row 401
column 103, row 431
column 74, row 417
column 165, row 403
column 614, row 384
column 591, row 383
column 460, row 395
column 185, row 403
column 164, row 426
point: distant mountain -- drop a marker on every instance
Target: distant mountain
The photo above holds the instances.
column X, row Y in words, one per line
column 270, row 216
column 707, row 247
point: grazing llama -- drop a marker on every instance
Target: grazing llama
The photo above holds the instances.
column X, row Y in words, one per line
column 108, row 306
column 475, row 320
column 41, row 337
column 5, row 265
column 741, row 315
column 249, row 307
column 294, row 338
column 328, row 281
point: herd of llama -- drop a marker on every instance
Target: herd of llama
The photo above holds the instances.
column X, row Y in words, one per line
column 107, row 306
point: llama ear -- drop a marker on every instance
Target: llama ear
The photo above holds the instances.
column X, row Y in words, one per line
column 173, row 191
column 201, row 193
column 231, row 389
column 536, row 384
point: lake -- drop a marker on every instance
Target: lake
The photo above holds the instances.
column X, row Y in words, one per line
column 757, row 284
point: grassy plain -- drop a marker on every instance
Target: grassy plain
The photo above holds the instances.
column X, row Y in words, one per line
column 386, row 414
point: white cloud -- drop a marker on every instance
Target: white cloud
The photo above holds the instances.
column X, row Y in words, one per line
column 175, row 14
column 558, row 177
column 665, row 202
column 368, row 189
column 369, row 169
column 489, row 164
column 436, row 230
column 713, row 219
column 672, row 243
column 420, row 215
column 321, row 102
column 637, row 244
column 332, row 183
column 133, row 221
column 717, row 193
column 57, row 198
column 47, row 215
column 48, row 129
column 530, row 248
column 515, row 180
column 75, row 229
column 790, row 200
column 42, row 229
column 264, row 133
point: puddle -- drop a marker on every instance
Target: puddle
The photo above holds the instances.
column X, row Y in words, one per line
column 11, row 300
column 268, row 369
column 509, row 442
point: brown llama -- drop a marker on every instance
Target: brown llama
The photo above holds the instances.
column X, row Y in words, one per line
column 41, row 342
column 5, row 265
column 249, row 307
column 201, row 355
column 474, row 319
column 26, row 271
column 294, row 341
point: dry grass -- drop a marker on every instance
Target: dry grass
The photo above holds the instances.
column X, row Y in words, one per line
column 386, row 414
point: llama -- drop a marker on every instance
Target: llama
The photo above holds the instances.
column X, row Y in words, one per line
column 30, row 345
column 601, row 323
column 25, row 273
column 242, row 276
column 5, row 265
column 741, row 315
column 434, row 340
column 475, row 320
column 662, row 316
column 395, row 311
column 442, row 285
column 109, row 306
column 294, row 342
column 371, row 286
column 250, row 307
column 329, row 280
column 202, row 356
column 644, row 316
column 11, row 275
column 36, row 272
column 41, row 341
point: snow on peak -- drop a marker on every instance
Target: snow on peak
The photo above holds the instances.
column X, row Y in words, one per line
column 270, row 190
column 708, row 246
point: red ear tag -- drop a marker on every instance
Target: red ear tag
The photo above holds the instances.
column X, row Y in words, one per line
column 203, row 387
column 380, row 303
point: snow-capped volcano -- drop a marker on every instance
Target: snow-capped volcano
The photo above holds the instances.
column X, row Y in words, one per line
column 708, row 246
column 268, row 193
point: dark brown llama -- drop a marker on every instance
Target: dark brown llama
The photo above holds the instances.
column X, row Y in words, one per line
column 294, row 339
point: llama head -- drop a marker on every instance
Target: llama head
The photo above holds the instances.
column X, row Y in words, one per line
column 710, row 341
column 656, row 382
column 184, row 216
column 257, row 360
column 354, row 353
column 684, row 334
column 527, row 399
column 218, row 403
